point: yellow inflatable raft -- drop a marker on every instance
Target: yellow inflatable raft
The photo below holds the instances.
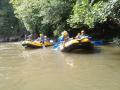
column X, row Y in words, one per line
column 84, row 43
column 35, row 44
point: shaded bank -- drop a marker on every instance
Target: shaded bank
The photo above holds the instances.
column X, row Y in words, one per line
column 9, row 39
column 10, row 27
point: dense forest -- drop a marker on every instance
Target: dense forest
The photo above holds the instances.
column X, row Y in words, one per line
column 11, row 28
column 100, row 18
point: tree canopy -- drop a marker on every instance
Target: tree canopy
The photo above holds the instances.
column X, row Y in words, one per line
column 45, row 16
column 91, row 11
column 9, row 24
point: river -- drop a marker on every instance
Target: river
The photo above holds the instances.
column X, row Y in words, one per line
column 47, row 69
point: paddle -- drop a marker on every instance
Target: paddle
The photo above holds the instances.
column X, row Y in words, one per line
column 56, row 46
column 43, row 46
column 97, row 43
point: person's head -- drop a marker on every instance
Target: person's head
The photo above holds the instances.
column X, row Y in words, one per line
column 45, row 36
column 65, row 33
column 82, row 32
column 41, row 35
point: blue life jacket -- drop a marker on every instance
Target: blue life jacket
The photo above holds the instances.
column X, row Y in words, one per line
column 60, row 39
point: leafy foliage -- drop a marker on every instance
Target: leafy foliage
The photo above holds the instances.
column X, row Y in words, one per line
column 43, row 15
column 115, row 12
column 46, row 16
column 9, row 24
column 86, row 13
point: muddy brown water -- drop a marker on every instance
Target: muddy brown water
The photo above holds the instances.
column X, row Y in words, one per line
column 48, row 69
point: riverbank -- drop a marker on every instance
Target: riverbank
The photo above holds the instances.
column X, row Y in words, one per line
column 10, row 39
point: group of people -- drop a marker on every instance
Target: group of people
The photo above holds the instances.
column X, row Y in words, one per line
column 65, row 36
column 81, row 35
column 42, row 38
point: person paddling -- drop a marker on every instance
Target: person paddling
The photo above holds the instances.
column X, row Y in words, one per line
column 64, row 37
column 81, row 35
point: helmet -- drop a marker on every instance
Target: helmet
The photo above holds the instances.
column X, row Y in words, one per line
column 41, row 35
column 65, row 33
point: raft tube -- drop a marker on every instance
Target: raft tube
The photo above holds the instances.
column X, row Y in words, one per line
column 35, row 44
column 84, row 43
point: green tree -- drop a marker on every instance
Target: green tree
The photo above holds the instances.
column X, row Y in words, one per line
column 9, row 24
column 89, row 12
column 43, row 15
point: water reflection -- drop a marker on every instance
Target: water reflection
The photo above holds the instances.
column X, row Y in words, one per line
column 69, row 61
column 83, row 51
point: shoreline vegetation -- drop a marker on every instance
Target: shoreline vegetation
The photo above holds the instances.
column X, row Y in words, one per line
column 99, row 18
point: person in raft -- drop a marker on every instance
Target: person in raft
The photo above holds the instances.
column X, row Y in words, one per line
column 40, row 38
column 46, row 39
column 81, row 35
column 29, row 37
column 64, row 37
